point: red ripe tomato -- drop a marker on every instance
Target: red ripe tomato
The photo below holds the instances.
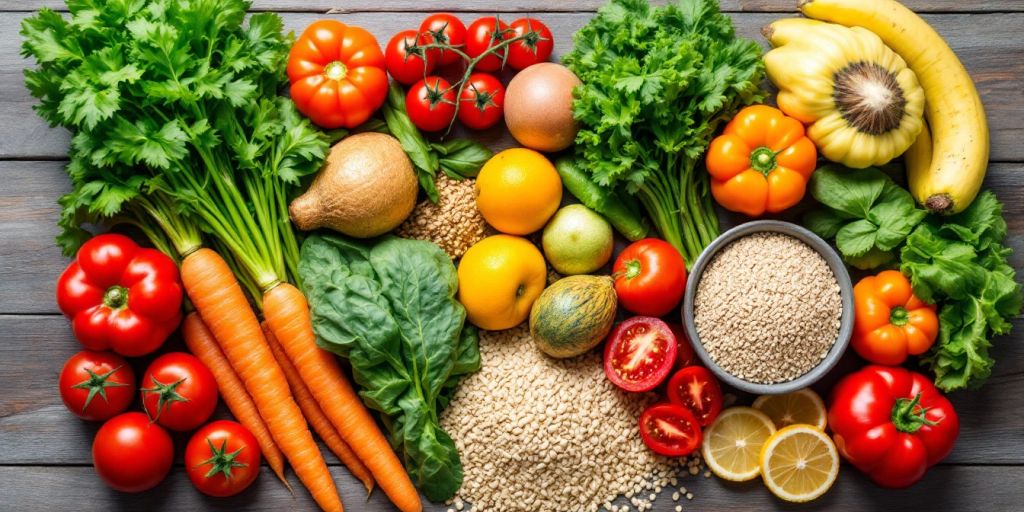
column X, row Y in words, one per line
column 536, row 47
column 96, row 386
column 131, row 454
column 482, row 102
column 407, row 61
column 684, row 350
column 696, row 389
column 431, row 104
column 670, row 430
column 639, row 354
column 445, row 28
column 483, row 34
column 650, row 277
column 182, row 392
column 222, row 459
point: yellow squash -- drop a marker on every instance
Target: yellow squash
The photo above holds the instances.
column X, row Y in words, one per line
column 863, row 105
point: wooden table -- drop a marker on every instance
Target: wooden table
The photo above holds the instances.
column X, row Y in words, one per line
column 45, row 461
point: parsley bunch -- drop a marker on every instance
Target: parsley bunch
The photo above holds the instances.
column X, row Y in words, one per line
column 657, row 83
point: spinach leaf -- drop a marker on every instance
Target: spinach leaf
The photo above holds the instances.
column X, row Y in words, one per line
column 462, row 158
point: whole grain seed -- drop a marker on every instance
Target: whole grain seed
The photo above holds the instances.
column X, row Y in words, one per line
column 454, row 223
column 767, row 308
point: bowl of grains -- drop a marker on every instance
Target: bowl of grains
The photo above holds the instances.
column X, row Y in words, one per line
column 769, row 307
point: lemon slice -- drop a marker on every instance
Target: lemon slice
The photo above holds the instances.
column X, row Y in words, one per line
column 733, row 443
column 803, row 406
column 799, row 463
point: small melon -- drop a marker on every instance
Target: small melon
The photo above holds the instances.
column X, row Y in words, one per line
column 573, row 315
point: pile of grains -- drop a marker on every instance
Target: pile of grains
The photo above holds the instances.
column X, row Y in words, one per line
column 542, row 434
column 453, row 223
column 767, row 308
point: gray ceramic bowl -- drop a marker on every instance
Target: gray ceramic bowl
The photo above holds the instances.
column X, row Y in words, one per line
column 845, row 289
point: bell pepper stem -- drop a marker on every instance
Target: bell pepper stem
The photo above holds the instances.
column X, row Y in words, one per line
column 908, row 416
column 115, row 297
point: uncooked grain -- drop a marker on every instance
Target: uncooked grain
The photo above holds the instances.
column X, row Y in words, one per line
column 454, row 223
column 767, row 308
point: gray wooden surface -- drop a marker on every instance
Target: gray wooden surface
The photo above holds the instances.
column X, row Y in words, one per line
column 45, row 451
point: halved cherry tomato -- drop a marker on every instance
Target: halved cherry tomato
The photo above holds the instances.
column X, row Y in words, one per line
column 96, row 386
column 535, row 48
column 696, row 389
column 406, row 58
column 483, row 34
column 650, row 277
column 444, row 28
column 222, row 459
column 670, row 430
column 180, row 392
column 639, row 354
column 131, row 454
column 684, row 350
column 431, row 104
column 482, row 102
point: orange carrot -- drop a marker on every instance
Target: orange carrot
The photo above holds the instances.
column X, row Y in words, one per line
column 315, row 415
column 201, row 343
column 287, row 313
column 215, row 292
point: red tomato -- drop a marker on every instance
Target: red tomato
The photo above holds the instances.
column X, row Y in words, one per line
column 696, row 389
column 431, row 104
column 669, row 429
column 445, row 28
column 483, row 34
column 406, row 59
column 684, row 350
column 131, row 454
column 96, row 386
column 650, row 277
column 536, row 47
column 639, row 353
column 222, row 459
column 482, row 102
column 182, row 392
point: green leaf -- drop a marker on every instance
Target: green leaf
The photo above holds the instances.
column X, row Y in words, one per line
column 824, row 222
column 462, row 157
column 856, row 238
column 851, row 192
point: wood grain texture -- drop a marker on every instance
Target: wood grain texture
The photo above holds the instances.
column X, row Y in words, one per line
column 988, row 44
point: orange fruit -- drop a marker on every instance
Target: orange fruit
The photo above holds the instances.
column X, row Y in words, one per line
column 518, row 190
column 500, row 277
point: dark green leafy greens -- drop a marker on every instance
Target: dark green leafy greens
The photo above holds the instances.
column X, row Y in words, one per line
column 961, row 263
column 864, row 210
column 657, row 83
column 389, row 307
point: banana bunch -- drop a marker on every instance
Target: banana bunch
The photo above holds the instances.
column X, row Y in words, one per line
column 946, row 164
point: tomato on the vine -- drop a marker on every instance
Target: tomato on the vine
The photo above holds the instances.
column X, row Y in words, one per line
column 482, row 35
column 406, row 58
column 96, row 386
column 132, row 454
column 696, row 389
column 444, row 28
column 222, row 459
column 482, row 102
column 536, row 47
column 430, row 104
column 181, row 392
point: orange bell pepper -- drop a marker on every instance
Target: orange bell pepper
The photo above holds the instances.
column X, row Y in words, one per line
column 890, row 321
column 761, row 162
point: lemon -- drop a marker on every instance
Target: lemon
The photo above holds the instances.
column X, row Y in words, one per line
column 803, row 406
column 733, row 443
column 799, row 463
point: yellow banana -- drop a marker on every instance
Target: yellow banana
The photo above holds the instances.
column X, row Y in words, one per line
column 951, row 175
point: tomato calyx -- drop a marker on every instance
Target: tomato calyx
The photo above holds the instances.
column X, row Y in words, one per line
column 435, row 94
column 336, row 70
column 532, row 37
column 762, row 160
column 633, row 269
column 167, row 394
column 221, row 461
column 899, row 316
column 116, row 297
column 97, row 384
column 482, row 100
column 908, row 416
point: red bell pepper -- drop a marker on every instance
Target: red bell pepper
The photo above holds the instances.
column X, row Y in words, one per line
column 120, row 296
column 892, row 424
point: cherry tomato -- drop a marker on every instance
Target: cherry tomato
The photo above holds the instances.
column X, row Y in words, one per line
column 483, row 34
column 696, row 389
column 534, row 48
column 639, row 353
column 684, row 350
column 131, row 454
column 431, row 104
column 181, row 392
column 96, row 386
column 482, row 102
column 444, row 28
column 222, row 459
column 407, row 61
column 670, row 430
column 650, row 277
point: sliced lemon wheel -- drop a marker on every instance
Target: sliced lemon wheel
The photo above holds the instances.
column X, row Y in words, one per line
column 799, row 463
column 733, row 443
column 803, row 406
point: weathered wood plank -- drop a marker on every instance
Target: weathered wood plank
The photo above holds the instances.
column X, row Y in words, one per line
column 987, row 44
